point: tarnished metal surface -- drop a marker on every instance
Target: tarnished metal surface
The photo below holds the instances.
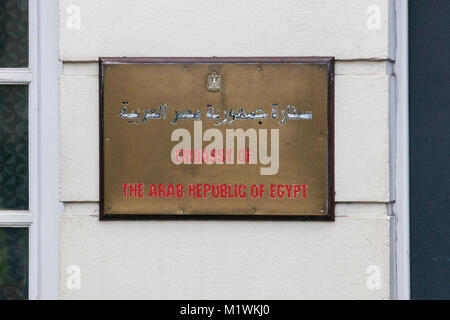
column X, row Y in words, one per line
column 171, row 124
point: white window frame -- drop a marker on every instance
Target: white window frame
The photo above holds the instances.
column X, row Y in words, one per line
column 44, row 208
column 401, row 205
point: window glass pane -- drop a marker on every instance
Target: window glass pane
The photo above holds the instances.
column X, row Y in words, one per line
column 13, row 33
column 13, row 147
column 13, row 263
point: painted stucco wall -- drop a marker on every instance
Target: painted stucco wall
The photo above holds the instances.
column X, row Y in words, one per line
column 232, row 259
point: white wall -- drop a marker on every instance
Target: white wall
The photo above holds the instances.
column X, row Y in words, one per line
column 229, row 260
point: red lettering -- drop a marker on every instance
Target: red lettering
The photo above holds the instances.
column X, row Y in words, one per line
column 191, row 191
column 254, row 191
column 161, row 191
column 242, row 193
column 272, row 191
column 297, row 190
column 304, row 186
column 180, row 192
column 152, row 191
column 125, row 187
column 170, row 191
column 289, row 189
column 207, row 189
column 280, row 191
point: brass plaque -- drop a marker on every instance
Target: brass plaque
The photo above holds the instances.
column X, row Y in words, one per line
column 217, row 137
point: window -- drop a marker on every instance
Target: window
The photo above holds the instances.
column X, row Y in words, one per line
column 18, row 149
column 14, row 26
column 14, row 263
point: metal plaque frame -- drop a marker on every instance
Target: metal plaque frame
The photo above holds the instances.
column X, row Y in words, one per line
column 327, row 62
